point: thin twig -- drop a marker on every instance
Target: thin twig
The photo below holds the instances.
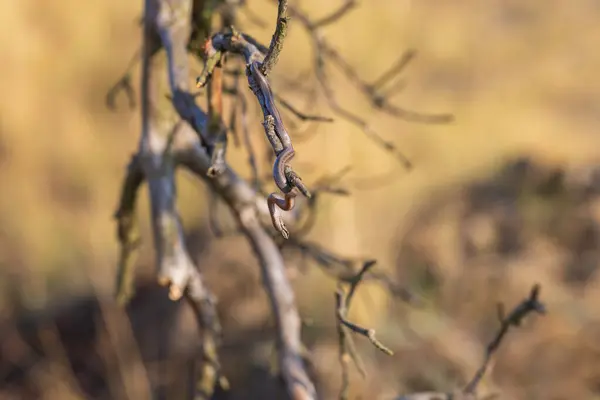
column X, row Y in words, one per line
column 276, row 45
column 351, row 117
column 395, row 69
column 370, row 91
column 217, row 132
column 248, row 142
column 123, row 84
column 335, row 15
column 344, row 355
column 347, row 351
column 128, row 231
column 323, row 52
column 516, row 316
column 344, row 269
column 368, row 333
column 300, row 114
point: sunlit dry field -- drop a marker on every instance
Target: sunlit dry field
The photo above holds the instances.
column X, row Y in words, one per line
column 498, row 200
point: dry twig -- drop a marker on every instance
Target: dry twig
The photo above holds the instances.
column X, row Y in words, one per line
column 323, row 52
column 123, row 84
column 514, row 318
column 346, row 346
column 276, row 45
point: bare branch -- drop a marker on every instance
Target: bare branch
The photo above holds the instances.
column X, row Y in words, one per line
column 336, row 15
column 216, row 132
column 395, row 69
column 160, row 125
column 516, row 316
column 127, row 231
column 172, row 23
column 204, row 306
column 323, row 51
column 213, row 215
column 351, row 117
column 346, row 346
column 276, row 45
column 370, row 91
column 344, row 269
column 242, row 199
column 174, row 265
column 345, row 355
column 342, row 312
column 123, row 85
column 301, row 115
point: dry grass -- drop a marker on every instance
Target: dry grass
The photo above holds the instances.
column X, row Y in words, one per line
column 521, row 78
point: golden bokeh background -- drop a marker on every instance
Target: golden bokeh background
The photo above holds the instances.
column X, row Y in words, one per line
column 467, row 228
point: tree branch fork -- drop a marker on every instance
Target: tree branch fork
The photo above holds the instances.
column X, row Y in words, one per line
column 177, row 134
column 173, row 136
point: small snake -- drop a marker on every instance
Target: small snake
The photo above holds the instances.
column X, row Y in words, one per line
column 286, row 155
column 275, row 202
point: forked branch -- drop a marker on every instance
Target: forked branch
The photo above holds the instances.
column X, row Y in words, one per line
column 346, row 345
column 378, row 96
column 513, row 319
column 168, row 142
column 532, row 304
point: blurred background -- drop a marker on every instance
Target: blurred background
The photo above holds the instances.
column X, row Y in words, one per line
column 506, row 196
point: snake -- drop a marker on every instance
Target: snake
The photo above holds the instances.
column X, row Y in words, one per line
column 275, row 202
column 286, row 155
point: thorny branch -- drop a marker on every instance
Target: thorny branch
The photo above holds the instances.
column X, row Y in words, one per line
column 248, row 142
